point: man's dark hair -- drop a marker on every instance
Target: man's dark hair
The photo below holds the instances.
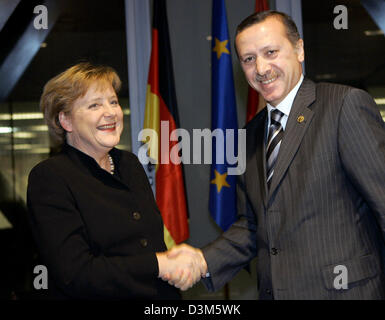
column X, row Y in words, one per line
column 290, row 26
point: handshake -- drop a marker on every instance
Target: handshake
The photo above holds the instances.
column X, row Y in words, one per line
column 182, row 266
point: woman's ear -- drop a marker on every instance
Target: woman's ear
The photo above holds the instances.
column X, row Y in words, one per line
column 65, row 121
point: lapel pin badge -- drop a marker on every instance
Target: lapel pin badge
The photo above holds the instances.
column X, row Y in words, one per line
column 300, row 119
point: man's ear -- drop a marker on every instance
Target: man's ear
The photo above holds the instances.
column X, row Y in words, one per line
column 300, row 50
column 65, row 121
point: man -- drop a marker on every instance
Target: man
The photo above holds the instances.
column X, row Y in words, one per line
column 311, row 203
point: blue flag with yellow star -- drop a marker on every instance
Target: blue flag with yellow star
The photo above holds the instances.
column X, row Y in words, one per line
column 223, row 117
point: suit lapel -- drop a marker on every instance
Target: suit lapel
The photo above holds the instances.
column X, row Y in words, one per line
column 255, row 163
column 299, row 120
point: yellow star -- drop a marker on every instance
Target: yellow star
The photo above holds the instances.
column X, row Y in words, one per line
column 220, row 180
column 220, row 47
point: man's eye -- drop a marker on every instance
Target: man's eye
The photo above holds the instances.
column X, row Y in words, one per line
column 248, row 60
column 114, row 102
column 271, row 52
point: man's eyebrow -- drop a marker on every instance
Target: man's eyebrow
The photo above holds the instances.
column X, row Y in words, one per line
column 267, row 47
column 247, row 54
column 270, row 46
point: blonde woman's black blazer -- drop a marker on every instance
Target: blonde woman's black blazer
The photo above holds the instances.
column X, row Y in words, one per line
column 97, row 233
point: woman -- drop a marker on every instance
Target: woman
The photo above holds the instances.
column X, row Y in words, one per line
column 93, row 214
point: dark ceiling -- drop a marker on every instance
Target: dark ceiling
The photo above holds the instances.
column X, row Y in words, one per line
column 85, row 30
column 344, row 56
column 98, row 34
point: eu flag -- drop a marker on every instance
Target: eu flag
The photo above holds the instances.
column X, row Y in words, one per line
column 223, row 117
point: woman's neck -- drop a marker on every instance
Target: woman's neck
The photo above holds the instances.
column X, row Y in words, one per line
column 101, row 157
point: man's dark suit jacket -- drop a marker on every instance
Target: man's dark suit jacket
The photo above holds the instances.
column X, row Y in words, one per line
column 97, row 233
column 325, row 207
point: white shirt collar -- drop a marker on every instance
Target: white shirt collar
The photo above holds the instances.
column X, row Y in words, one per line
column 285, row 105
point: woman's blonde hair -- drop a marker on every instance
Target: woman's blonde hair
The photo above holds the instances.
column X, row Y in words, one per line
column 62, row 91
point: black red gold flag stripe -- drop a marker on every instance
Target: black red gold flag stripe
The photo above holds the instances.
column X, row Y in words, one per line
column 161, row 105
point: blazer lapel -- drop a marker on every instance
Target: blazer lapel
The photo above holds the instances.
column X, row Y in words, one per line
column 299, row 120
column 255, row 163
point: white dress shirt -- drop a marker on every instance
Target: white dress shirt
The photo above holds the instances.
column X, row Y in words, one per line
column 285, row 105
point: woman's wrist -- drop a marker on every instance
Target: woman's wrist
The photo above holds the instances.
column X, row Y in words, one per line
column 161, row 257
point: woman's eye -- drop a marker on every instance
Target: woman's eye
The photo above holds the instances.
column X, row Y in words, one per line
column 92, row 106
column 271, row 52
column 114, row 102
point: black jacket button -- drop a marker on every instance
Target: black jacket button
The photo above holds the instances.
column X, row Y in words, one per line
column 136, row 215
column 274, row 251
column 144, row 242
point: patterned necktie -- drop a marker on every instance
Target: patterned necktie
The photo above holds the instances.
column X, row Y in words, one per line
column 274, row 141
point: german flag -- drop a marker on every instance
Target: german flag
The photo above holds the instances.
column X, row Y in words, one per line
column 161, row 115
column 255, row 102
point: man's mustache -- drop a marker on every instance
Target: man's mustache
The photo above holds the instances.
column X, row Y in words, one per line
column 265, row 77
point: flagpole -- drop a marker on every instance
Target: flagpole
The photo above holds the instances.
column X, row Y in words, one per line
column 227, row 291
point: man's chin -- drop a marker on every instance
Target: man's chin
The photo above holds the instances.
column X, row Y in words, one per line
column 267, row 96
